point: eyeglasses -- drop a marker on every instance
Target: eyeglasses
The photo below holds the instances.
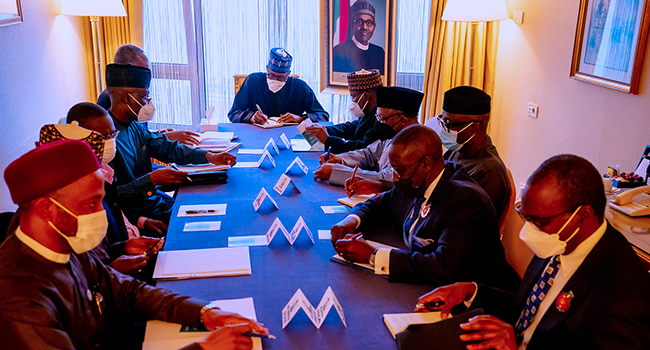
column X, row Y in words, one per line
column 382, row 119
column 447, row 126
column 283, row 77
column 146, row 99
column 539, row 223
column 369, row 23
column 397, row 172
column 112, row 135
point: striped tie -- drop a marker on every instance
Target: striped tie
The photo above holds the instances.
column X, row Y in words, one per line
column 408, row 224
column 537, row 295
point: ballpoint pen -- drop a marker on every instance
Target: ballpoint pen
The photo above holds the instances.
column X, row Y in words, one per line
column 329, row 151
column 176, row 168
column 431, row 304
column 259, row 335
column 260, row 110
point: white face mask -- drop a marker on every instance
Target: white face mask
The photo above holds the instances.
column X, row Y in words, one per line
column 450, row 139
column 357, row 111
column 275, row 85
column 91, row 229
column 146, row 111
column 545, row 245
column 109, row 151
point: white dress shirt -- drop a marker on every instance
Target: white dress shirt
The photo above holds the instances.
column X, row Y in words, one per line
column 42, row 250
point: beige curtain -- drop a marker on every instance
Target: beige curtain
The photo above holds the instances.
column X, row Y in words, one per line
column 114, row 31
column 448, row 58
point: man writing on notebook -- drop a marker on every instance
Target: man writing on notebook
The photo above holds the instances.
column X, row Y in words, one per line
column 444, row 218
column 55, row 295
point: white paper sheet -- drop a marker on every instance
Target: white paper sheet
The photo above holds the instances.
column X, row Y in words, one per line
column 203, row 263
column 202, row 226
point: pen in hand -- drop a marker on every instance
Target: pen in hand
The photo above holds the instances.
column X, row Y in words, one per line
column 260, row 110
column 258, row 335
column 430, row 305
column 329, row 152
column 176, row 168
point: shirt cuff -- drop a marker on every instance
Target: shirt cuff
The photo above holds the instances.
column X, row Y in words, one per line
column 141, row 221
column 355, row 217
column 382, row 261
column 469, row 302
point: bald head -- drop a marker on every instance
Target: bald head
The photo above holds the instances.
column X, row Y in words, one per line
column 131, row 54
column 419, row 141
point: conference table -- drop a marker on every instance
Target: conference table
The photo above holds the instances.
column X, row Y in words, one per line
column 280, row 269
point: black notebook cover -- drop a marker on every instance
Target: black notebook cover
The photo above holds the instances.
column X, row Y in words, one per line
column 440, row 335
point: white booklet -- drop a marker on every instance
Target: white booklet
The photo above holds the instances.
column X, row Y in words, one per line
column 202, row 168
column 178, row 264
column 339, row 259
column 397, row 323
column 163, row 335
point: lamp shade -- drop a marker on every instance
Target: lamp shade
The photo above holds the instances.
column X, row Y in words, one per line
column 99, row 8
column 475, row 10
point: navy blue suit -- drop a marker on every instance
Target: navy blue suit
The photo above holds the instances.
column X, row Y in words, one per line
column 610, row 310
column 462, row 224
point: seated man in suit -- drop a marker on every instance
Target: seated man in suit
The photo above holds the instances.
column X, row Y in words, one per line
column 277, row 95
column 53, row 295
column 397, row 108
column 463, row 131
column 360, row 132
column 586, row 289
column 133, row 55
column 128, row 87
column 124, row 248
column 445, row 220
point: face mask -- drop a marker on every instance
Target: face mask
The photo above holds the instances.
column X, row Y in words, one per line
column 384, row 132
column 91, row 229
column 406, row 187
column 109, row 151
column 108, row 172
column 357, row 111
column 275, row 85
column 146, row 111
column 545, row 245
column 450, row 139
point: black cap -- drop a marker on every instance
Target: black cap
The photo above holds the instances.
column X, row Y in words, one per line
column 399, row 98
column 466, row 100
column 126, row 75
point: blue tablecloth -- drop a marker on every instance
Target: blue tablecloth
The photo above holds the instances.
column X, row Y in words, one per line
column 280, row 269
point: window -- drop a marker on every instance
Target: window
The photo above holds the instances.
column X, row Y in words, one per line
column 196, row 46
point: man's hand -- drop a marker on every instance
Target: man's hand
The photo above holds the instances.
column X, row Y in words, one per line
column 359, row 185
column 259, row 118
column 323, row 172
column 451, row 295
column 318, row 131
column 290, row 118
column 221, row 158
column 343, row 228
column 332, row 159
column 130, row 264
column 495, row 333
column 354, row 248
column 187, row 137
column 167, row 176
column 214, row 318
column 156, row 226
column 143, row 245
column 228, row 338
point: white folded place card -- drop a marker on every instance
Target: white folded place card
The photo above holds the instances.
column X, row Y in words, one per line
column 241, row 241
column 316, row 315
column 201, row 210
column 250, row 151
column 285, row 141
column 283, row 183
column 272, row 143
column 300, row 163
column 261, row 197
column 202, row 226
column 265, row 154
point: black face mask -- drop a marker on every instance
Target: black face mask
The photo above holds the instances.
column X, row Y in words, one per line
column 406, row 188
column 384, row 132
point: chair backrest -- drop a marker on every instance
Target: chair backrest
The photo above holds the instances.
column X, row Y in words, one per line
column 239, row 79
column 518, row 254
column 5, row 222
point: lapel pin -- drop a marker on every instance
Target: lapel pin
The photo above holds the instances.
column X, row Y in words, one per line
column 563, row 301
column 425, row 211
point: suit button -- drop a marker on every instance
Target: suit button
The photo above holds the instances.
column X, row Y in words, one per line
column 149, row 193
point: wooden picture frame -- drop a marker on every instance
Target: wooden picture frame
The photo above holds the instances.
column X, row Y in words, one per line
column 10, row 12
column 610, row 44
column 337, row 45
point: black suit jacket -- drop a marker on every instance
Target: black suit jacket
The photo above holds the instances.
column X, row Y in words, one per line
column 462, row 224
column 610, row 310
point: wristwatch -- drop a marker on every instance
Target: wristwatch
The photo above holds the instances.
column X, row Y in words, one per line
column 205, row 308
column 373, row 257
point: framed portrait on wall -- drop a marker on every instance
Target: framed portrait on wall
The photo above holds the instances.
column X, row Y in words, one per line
column 356, row 35
column 10, row 12
column 610, row 43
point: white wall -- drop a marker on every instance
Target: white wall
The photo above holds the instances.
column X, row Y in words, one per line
column 43, row 72
column 534, row 59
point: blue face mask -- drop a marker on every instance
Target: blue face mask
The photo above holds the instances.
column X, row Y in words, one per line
column 450, row 138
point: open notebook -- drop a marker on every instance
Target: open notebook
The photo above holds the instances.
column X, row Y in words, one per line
column 273, row 123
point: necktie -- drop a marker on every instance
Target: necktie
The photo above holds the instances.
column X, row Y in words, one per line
column 537, row 295
column 408, row 223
